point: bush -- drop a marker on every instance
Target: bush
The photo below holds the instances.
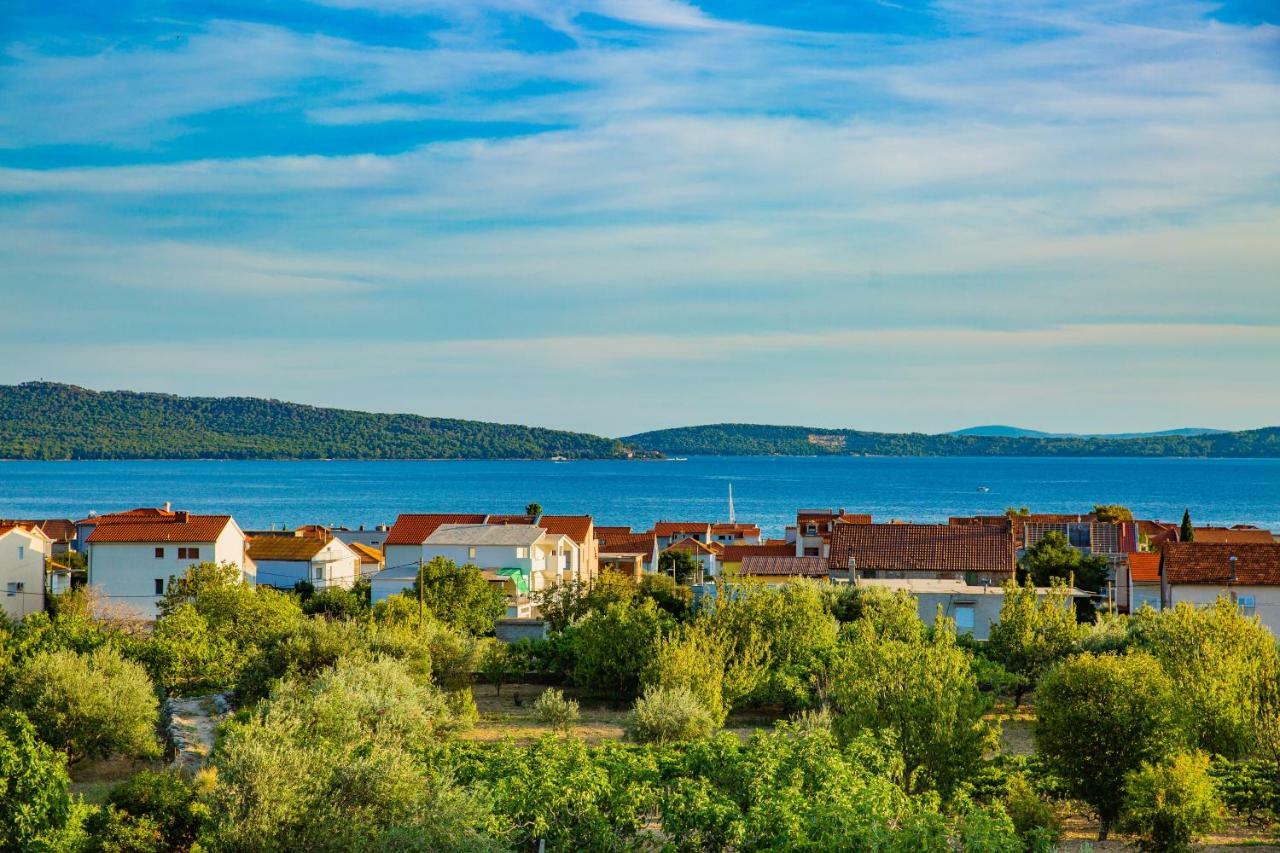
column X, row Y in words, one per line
column 33, row 785
column 335, row 603
column 462, row 705
column 1169, row 804
column 614, row 646
column 460, row 597
column 1034, row 818
column 153, row 811
column 556, row 711
column 666, row 593
column 89, row 706
column 495, row 665
column 669, row 714
column 186, row 658
column 1100, row 717
column 1251, row 789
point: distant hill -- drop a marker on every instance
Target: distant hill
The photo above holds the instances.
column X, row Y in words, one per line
column 1001, row 430
column 46, row 420
column 764, row 440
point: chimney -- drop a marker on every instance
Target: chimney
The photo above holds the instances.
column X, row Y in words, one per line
column 167, row 506
column 180, row 516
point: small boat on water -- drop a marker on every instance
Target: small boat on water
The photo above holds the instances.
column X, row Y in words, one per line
column 559, row 458
column 984, row 488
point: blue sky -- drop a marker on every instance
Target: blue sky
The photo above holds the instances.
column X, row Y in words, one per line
column 615, row 215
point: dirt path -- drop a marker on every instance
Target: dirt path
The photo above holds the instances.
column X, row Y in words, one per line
column 191, row 726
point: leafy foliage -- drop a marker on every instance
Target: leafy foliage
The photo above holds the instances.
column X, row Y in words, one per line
column 33, row 785
column 460, row 597
column 669, row 714
column 552, row 708
column 88, row 706
column 1033, row 633
column 1101, row 717
column 613, row 646
column 1169, row 804
column 1054, row 559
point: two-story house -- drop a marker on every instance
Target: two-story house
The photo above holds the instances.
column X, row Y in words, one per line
column 284, row 561
column 133, row 556
column 24, row 550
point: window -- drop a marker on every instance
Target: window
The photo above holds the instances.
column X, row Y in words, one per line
column 188, row 553
column 12, row 589
column 521, row 553
column 471, row 553
column 964, row 618
column 159, row 553
column 159, row 586
column 811, row 552
column 1247, row 604
column 318, row 573
column 22, row 552
column 811, row 530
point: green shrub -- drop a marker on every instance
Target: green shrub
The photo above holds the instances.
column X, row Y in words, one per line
column 151, row 811
column 669, row 714
column 1251, row 789
column 89, row 706
column 1034, row 818
column 614, row 646
column 462, row 705
column 1169, row 804
column 335, row 603
column 33, row 785
column 556, row 711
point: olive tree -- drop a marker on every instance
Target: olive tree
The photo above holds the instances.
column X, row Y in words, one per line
column 1099, row 717
column 1033, row 633
column 33, row 784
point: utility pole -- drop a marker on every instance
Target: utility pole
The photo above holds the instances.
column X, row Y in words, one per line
column 420, row 567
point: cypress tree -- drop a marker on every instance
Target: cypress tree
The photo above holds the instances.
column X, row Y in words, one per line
column 1187, row 533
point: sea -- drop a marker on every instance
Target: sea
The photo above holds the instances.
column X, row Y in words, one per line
column 766, row 490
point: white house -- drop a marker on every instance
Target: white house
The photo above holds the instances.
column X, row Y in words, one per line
column 404, row 544
column 1245, row 573
column 540, row 558
column 132, row 557
column 283, row 561
column 23, row 552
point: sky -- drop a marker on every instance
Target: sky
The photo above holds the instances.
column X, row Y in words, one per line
column 618, row 215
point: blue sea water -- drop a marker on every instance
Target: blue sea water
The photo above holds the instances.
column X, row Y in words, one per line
column 767, row 490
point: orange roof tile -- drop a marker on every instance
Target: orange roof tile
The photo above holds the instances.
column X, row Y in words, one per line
column 414, row 528
column 923, row 547
column 736, row 553
column 57, row 529
column 1144, row 567
column 1210, row 563
column 286, row 548
column 1233, row 535
column 627, row 543
column 690, row 544
column 675, row 528
column 366, row 553
column 576, row 527
column 171, row 527
column 802, row 567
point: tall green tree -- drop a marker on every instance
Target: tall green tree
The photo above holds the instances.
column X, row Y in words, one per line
column 1186, row 533
column 460, row 597
column 1112, row 512
column 1054, row 558
column 1100, row 717
column 681, row 565
column 921, row 690
column 33, row 785
column 1033, row 633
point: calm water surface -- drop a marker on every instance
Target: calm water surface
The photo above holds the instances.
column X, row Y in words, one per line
column 766, row 490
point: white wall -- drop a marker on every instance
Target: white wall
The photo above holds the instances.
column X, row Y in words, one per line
column 333, row 565
column 1266, row 597
column 126, row 572
column 22, row 558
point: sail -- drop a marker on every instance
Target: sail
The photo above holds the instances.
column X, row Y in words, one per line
column 731, row 518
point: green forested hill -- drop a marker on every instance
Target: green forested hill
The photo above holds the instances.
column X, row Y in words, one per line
column 762, row 440
column 45, row 420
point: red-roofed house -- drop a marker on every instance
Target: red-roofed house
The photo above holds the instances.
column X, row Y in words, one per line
column 812, row 531
column 625, row 552
column 733, row 555
column 24, row 548
column 923, row 551
column 1247, row 573
column 1138, row 582
column 671, row 532
column 133, row 555
column 735, row 534
column 705, row 555
column 784, row 568
column 404, row 543
column 1233, row 535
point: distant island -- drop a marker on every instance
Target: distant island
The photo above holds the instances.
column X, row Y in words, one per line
column 49, row 420
column 1005, row 431
column 765, row 440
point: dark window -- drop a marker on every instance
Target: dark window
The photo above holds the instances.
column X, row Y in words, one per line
column 159, row 586
column 159, row 553
column 188, row 553
column 811, row 552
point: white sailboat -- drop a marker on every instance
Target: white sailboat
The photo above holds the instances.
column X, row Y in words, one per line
column 731, row 518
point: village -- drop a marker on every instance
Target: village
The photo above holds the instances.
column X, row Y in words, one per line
column 130, row 557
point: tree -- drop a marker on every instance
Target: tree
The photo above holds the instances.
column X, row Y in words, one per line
column 1186, row 533
column 89, row 706
column 158, row 808
column 1112, row 512
column 461, row 597
column 615, row 645
column 186, row 658
column 495, row 665
column 668, row 714
column 33, row 785
column 681, row 565
column 534, row 509
column 921, row 690
column 556, row 711
column 1220, row 662
column 1054, row 558
column 1032, row 634
column 1099, row 718
column 1169, row 804
column 666, row 593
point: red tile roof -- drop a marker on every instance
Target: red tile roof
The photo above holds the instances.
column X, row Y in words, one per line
column 1210, row 563
column 366, row 553
column 57, row 529
column 1144, row 567
column 285, row 548
column 1233, row 535
column 127, row 515
column 736, row 553
column 923, row 547
column 576, row 527
column 802, row 567
column 7, row 526
column 511, row 519
column 168, row 527
column 743, row 529
column 1157, row 532
column 414, row 528
column 626, row 543
column 690, row 544
column 603, row 530
column 854, row 518
column 675, row 528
